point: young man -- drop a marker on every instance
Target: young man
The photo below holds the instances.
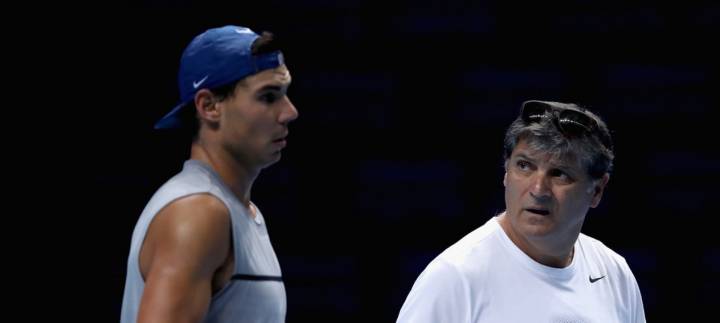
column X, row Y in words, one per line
column 200, row 251
column 531, row 263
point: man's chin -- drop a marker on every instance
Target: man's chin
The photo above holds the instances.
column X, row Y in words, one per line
column 272, row 159
column 537, row 226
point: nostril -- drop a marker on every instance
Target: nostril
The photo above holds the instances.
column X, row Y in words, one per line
column 540, row 196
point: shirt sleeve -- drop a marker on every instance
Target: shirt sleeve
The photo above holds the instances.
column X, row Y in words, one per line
column 440, row 294
column 638, row 311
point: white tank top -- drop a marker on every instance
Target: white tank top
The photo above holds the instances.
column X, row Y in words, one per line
column 256, row 292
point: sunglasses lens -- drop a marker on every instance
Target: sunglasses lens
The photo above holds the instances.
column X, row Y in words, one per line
column 575, row 123
column 534, row 111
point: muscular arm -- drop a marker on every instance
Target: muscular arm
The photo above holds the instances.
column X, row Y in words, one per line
column 186, row 243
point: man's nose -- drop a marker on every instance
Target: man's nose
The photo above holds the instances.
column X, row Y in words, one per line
column 540, row 187
column 289, row 112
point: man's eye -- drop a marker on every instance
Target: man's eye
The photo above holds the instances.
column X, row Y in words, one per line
column 523, row 164
column 561, row 175
column 269, row 97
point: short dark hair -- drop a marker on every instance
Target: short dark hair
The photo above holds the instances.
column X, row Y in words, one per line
column 544, row 135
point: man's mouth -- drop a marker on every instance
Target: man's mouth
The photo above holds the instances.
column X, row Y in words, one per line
column 538, row 211
column 281, row 138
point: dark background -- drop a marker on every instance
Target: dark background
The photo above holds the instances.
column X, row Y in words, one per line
column 397, row 153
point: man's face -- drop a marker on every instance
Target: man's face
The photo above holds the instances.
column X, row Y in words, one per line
column 547, row 198
column 255, row 119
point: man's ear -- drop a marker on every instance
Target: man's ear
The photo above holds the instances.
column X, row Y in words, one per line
column 507, row 161
column 206, row 106
column 598, row 189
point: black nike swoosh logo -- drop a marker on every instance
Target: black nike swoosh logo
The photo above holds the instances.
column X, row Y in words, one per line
column 592, row 280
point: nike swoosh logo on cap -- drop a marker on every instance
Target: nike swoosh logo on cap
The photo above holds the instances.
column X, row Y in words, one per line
column 198, row 83
column 243, row 31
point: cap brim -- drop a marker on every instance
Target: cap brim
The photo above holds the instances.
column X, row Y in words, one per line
column 172, row 119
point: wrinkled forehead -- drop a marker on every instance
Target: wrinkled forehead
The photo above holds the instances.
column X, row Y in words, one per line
column 534, row 150
column 278, row 76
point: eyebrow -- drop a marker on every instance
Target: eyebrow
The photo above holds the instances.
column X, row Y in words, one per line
column 561, row 166
column 273, row 87
column 524, row 156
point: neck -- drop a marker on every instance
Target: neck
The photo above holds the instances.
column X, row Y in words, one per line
column 238, row 177
column 545, row 250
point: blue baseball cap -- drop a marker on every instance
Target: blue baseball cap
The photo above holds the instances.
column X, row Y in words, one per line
column 217, row 57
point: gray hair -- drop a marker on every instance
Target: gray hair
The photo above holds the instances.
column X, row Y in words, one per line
column 545, row 136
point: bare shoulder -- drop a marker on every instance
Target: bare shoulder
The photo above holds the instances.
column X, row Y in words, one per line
column 186, row 243
column 193, row 230
column 194, row 214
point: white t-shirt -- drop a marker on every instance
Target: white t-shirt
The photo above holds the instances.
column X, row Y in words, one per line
column 485, row 277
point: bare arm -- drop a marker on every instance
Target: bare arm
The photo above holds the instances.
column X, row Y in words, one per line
column 186, row 243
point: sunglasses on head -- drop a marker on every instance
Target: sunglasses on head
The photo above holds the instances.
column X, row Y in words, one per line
column 571, row 123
